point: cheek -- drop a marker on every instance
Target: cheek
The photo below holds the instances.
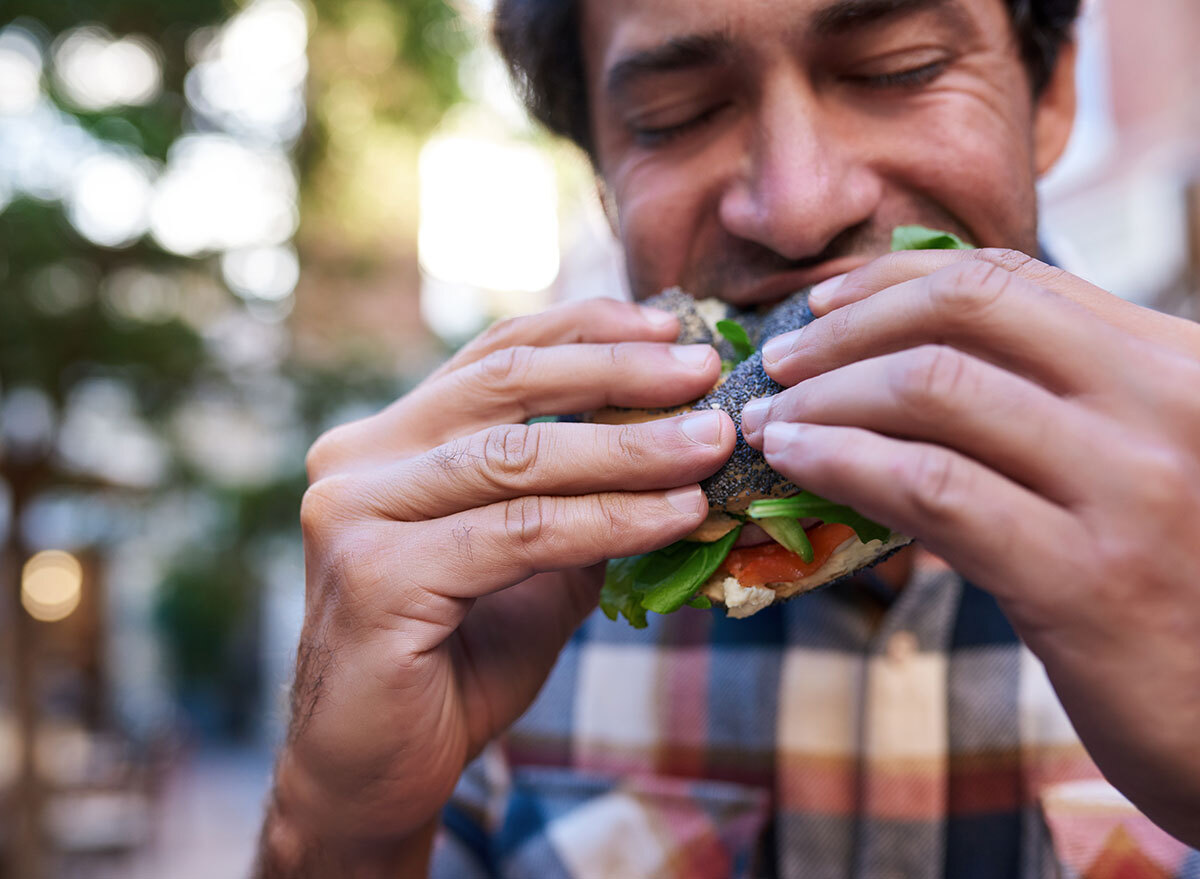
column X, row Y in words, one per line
column 974, row 159
column 666, row 217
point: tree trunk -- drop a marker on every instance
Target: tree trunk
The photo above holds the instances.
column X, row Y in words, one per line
column 28, row 849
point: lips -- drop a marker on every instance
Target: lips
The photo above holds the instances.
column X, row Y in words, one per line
column 778, row 286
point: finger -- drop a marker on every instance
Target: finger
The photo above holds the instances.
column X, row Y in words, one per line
column 897, row 268
column 512, row 385
column 593, row 321
column 983, row 524
column 515, row 460
column 484, row 550
column 939, row 394
column 974, row 306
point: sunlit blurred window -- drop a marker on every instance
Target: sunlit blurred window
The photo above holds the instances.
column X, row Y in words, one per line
column 489, row 214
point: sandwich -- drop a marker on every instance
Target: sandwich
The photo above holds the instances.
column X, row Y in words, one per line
column 764, row 540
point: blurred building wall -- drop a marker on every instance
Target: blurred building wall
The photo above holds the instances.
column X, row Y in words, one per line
column 1116, row 209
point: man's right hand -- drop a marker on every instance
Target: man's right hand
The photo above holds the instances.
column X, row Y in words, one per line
column 450, row 552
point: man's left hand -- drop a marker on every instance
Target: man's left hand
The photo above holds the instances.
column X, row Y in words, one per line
column 1043, row 436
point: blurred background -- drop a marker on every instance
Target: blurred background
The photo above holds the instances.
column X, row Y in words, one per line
column 227, row 226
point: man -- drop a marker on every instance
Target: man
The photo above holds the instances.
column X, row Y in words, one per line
column 1039, row 434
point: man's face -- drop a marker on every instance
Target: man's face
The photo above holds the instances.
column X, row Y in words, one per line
column 755, row 146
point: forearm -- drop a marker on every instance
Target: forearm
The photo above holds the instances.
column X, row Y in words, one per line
column 292, row 848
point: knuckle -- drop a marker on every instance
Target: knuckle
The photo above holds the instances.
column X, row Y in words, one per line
column 965, row 290
column 506, row 368
column 602, row 310
column 1007, row 259
column 323, row 454
column 323, row 504
column 936, row 484
column 526, row 520
column 500, row 334
column 1023, row 265
column 934, row 384
column 1162, row 473
column 350, row 577
column 615, row 515
column 838, row 324
column 510, row 452
column 627, row 444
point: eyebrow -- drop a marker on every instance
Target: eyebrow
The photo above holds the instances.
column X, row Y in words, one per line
column 690, row 52
column 845, row 15
column 706, row 50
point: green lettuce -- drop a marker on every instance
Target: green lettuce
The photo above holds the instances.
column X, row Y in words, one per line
column 788, row 533
column 735, row 334
column 808, row 505
column 662, row 581
column 921, row 238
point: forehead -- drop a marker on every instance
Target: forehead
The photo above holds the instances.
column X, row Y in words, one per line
column 614, row 30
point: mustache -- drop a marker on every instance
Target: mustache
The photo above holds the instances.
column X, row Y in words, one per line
column 742, row 262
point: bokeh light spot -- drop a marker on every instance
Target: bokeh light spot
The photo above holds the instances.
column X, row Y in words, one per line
column 109, row 202
column 97, row 71
column 269, row 273
column 20, row 70
column 217, row 194
column 51, row 585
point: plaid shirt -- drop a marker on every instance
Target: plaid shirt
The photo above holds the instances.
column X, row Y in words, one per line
column 837, row 735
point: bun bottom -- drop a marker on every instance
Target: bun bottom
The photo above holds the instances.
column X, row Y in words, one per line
column 853, row 555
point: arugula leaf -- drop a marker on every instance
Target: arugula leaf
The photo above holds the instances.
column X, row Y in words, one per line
column 921, row 238
column 663, row 594
column 617, row 596
column 806, row 504
column 662, row 581
column 736, row 335
column 786, row 531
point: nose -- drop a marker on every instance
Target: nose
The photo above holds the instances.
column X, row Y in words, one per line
column 801, row 181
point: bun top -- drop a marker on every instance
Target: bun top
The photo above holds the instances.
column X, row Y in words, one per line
column 745, row 476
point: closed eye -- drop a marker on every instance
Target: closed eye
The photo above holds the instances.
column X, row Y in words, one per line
column 899, row 79
column 654, row 136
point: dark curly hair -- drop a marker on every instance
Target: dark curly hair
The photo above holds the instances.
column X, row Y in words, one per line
column 540, row 42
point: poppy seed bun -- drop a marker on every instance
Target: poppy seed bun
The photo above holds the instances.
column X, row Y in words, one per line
column 745, row 477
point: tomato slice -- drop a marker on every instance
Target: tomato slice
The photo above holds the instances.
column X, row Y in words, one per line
column 772, row 563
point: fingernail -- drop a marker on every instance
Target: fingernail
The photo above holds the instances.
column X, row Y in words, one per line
column 780, row 436
column 704, row 428
column 658, row 318
column 780, row 347
column 821, row 294
column 692, row 356
column 689, row 499
column 753, row 414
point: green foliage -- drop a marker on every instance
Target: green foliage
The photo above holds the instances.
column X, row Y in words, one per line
column 202, row 601
column 160, row 18
column 150, row 130
column 58, row 326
